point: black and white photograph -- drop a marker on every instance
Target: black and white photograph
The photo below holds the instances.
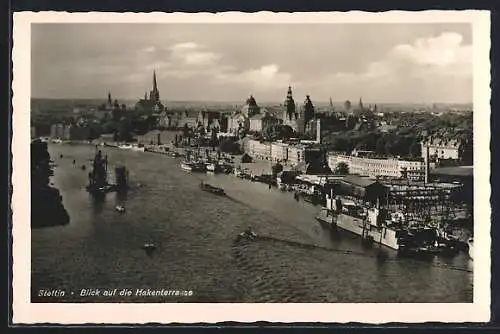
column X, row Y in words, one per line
column 325, row 161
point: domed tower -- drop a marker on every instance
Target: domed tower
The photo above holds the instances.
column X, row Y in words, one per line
column 251, row 108
column 308, row 109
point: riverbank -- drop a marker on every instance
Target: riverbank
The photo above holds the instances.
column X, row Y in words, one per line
column 47, row 207
column 194, row 234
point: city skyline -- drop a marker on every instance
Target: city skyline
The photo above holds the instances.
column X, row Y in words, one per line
column 382, row 63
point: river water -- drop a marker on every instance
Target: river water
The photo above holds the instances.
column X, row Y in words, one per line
column 194, row 234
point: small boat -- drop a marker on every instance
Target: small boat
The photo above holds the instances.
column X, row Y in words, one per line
column 247, row 235
column 149, row 245
column 120, row 208
column 193, row 166
column 187, row 166
column 213, row 167
column 214, row 190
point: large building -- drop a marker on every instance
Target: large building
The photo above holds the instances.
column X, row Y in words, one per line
column 261, row 121
column 279, row 152
column 444, row 149
column 70, row 132
column 151, row 103
column 258, row 149
column 379, row 167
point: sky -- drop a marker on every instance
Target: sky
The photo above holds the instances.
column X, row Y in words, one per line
column 392, row 63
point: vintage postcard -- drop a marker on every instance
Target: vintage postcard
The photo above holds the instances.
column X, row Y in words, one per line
column 300, row 167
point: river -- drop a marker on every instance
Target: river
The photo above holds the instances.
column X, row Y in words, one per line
column 194, row 233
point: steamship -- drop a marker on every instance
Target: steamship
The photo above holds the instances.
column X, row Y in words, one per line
column 98, row 177
column 378, row 225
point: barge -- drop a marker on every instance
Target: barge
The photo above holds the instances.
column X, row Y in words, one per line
column 211, row 189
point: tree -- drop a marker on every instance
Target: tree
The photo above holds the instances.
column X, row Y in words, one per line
column 277, row 168
column 228, row 146
column 341, row 169
column 278, row 131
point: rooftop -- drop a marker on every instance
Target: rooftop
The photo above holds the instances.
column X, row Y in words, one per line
column 359, row 180
column 454, row 171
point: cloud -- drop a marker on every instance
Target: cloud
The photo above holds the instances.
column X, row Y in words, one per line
column 184, row 46
column 443, row 50
column 265, row 77
column 442, row 62
column 193, row 54
column 149, row 49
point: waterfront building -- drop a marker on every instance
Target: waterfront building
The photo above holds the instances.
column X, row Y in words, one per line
column 279, row 152
column 365, row 165
column 258, row 149
column 443, row 148
column 71, row 132
column 301, row 154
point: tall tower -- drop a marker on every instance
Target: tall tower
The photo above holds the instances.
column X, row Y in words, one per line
column 361, row 108
column 308, row 109
column 110, row 102
column 155, row 94
column 289, row 105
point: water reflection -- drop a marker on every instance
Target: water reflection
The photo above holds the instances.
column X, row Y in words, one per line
column 98, row 200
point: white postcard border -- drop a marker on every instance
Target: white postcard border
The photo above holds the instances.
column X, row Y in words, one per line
column 65, row 313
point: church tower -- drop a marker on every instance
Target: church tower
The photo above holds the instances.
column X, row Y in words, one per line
column 110, row 102
column 289, row 112
column 155, row 94
column 308, row 109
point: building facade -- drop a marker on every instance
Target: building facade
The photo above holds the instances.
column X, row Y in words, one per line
column 259, row 150
column 442, row 149
column 379, row 167
column 279, row 152
column 261, row 121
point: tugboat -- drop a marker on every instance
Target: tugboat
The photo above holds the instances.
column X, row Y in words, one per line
column 248, row 235
column 149, row 248
column 120, row 208
column 214, row 190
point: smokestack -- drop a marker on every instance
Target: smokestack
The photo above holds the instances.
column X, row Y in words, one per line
column 318, row 131
column 426, row 163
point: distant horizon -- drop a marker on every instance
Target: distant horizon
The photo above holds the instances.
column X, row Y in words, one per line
column 242, row 101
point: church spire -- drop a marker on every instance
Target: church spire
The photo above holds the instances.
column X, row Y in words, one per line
column 155, row 88
column 109, row 99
